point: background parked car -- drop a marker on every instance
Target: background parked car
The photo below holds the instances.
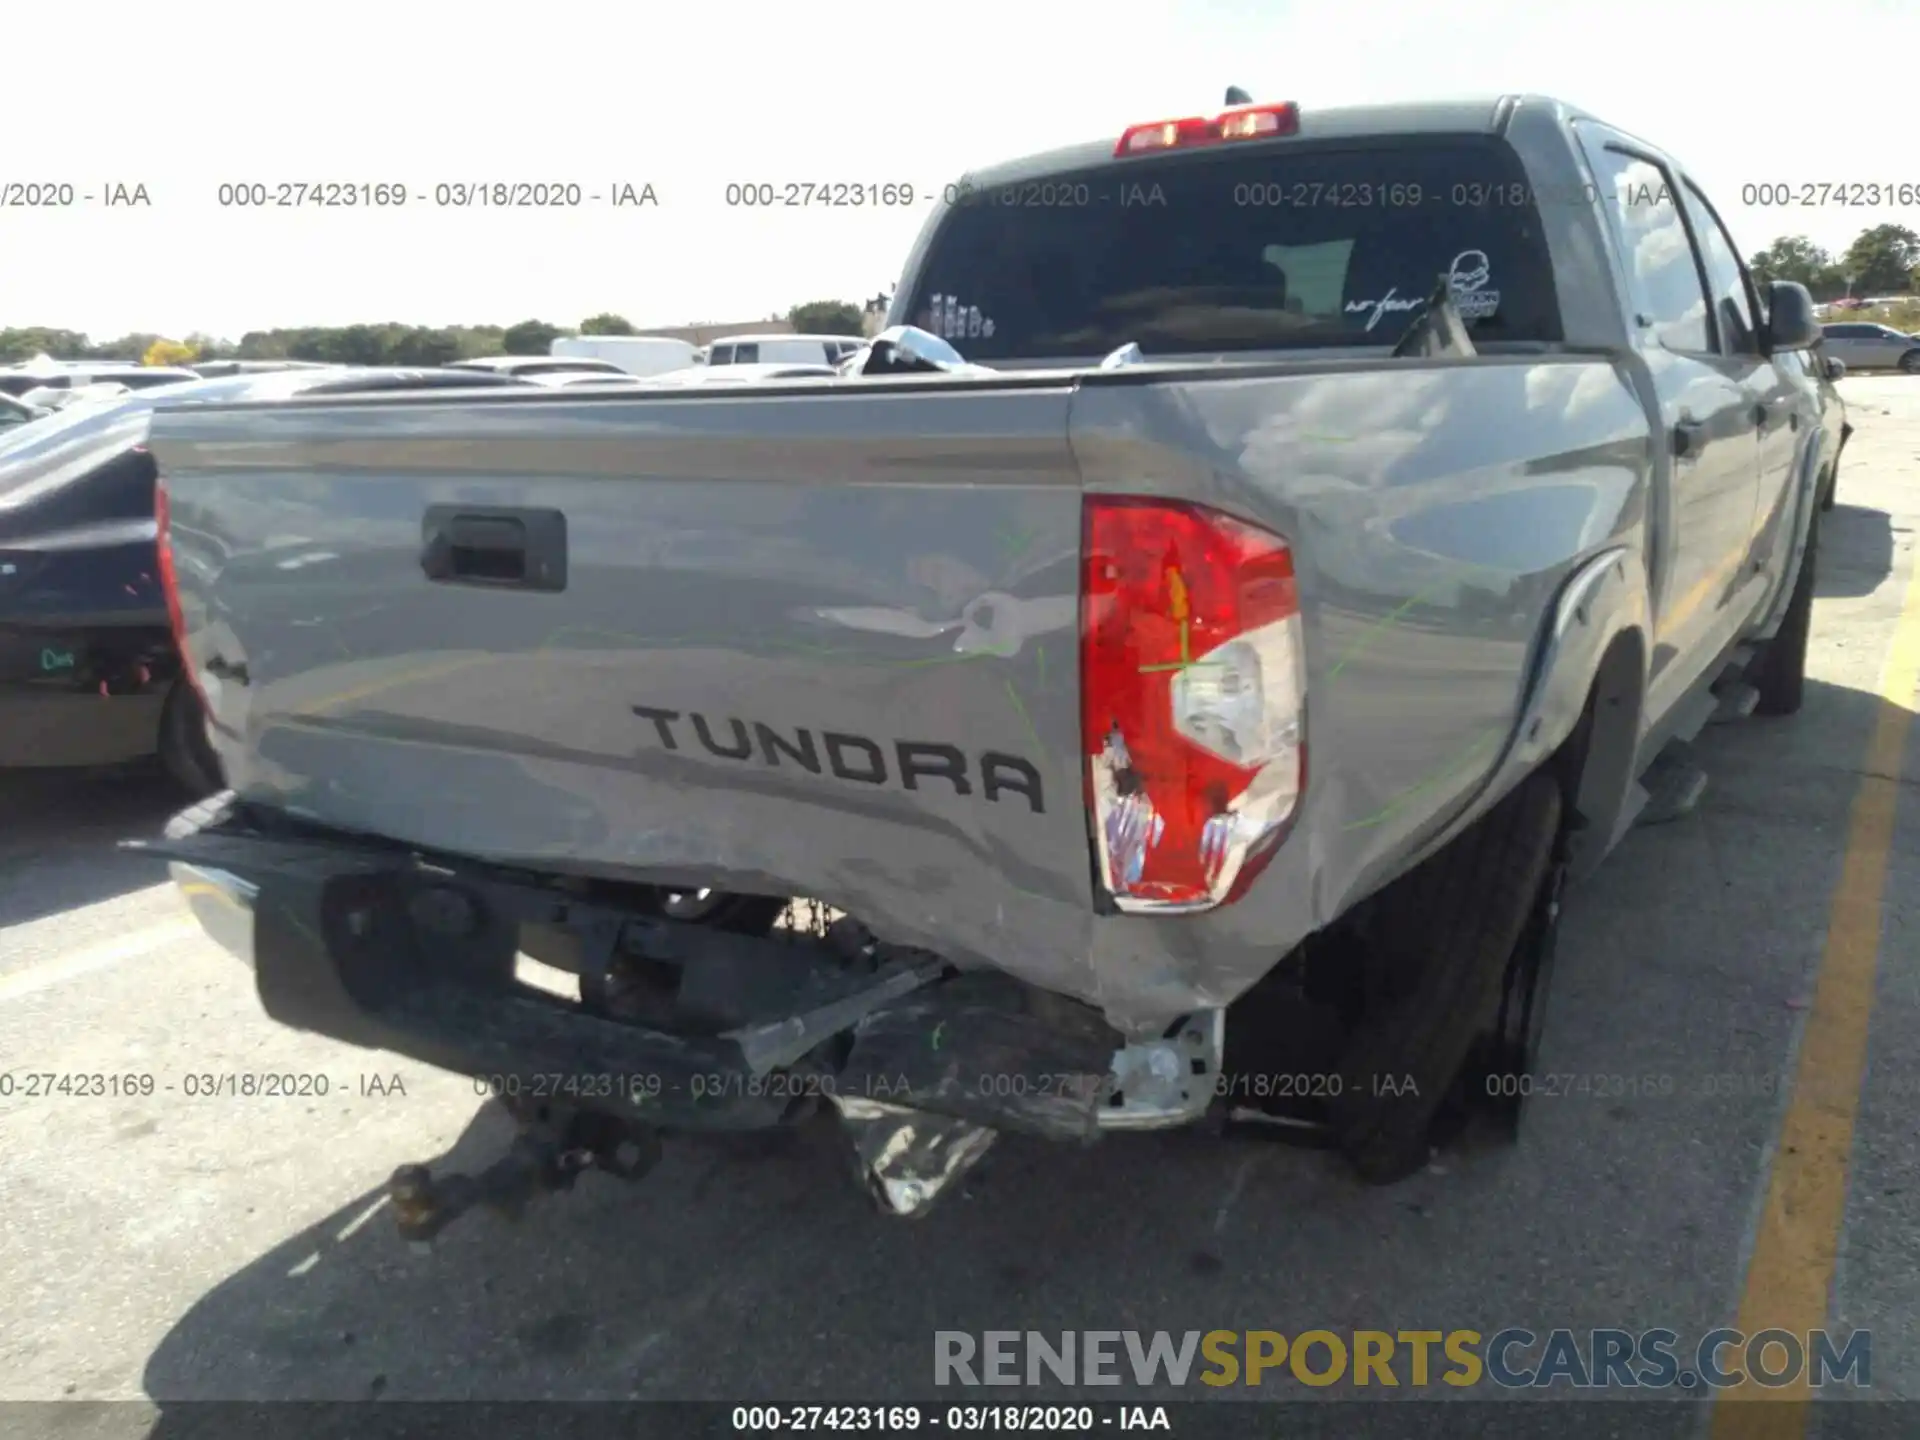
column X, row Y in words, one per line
column 592, row 380
column 14, row 411
column 1862, row 345
column 214, row 369
column 88, row 672
column 48, row 398
column 783, row 349
column 531, row 367
column 634, row 354
column 43, row 374
column 704, row 376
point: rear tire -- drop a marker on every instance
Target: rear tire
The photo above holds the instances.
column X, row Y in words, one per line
column 1446, row 932
column 185, row 750
column 1779, row 672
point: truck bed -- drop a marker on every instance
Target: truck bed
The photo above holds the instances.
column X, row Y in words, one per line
column 822, row 640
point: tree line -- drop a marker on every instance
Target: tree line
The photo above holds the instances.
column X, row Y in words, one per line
column 387, row 344
column 1883, row 260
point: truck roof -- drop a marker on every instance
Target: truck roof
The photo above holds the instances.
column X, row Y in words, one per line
column 1486, row 115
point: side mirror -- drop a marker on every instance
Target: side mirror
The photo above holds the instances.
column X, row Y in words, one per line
column 1791, row 323
column 1835, row 368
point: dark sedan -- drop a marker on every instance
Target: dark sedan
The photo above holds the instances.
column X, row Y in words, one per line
column 88, row 670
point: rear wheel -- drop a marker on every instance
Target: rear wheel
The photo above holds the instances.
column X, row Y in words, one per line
column 1779, row 671
column 1445, row 937
column 184, row 748
column 1503, row 1079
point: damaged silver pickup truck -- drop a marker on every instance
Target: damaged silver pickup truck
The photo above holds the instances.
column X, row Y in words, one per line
column 1188, row 705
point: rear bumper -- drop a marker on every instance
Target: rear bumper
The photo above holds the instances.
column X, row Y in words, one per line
column 81, row 694
column 368, row 945
column 50, row 729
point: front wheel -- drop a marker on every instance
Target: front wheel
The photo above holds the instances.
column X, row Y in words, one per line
column 1910, row 363
column 1779, row 672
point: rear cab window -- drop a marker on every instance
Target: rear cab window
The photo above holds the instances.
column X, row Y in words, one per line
column 1271, row 246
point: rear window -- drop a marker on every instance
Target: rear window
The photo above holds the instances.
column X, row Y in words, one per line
column 1263, row 248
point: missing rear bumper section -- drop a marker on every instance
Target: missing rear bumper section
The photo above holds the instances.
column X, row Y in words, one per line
column 924, row 1065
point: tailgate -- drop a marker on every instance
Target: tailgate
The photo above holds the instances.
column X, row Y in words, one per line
column 816, row 644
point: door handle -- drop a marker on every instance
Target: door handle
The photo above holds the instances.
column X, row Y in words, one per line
column 1686, row 438
column 494, row 547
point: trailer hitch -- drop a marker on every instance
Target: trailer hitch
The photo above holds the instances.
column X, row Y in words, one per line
column 546, row 1157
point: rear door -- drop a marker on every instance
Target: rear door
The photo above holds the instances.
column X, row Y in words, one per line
column 1708, row 428
column 1784, row 413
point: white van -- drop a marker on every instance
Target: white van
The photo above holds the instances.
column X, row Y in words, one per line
column 635, row 354
column 783, row 349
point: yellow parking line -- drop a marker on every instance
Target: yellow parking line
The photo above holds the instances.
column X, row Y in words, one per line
column 1791, row 1272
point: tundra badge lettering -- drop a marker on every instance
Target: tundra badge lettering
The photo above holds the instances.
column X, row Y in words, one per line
column 853, row 757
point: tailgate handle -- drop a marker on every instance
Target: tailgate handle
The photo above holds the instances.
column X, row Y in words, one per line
column 495, row 547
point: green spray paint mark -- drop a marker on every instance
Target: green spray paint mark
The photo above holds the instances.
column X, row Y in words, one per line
column 1020, row 709
column 1014, row 543
column 1420, row 787
column 938, row 1031
column 1372, row 632
column 56, row 660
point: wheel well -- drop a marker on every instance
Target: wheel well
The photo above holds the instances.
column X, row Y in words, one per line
column 1595, row 764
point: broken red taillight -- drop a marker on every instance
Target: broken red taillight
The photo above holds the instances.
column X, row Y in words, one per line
column 1193, row 696
column 1244, row 122
column 170, row 587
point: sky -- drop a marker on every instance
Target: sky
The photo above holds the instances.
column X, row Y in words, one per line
column 688, row 98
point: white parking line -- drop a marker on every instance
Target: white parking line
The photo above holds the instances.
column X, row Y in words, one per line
column 97, row 957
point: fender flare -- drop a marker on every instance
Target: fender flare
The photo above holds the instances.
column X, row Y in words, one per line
column 1592, row 652
column 1807, row 494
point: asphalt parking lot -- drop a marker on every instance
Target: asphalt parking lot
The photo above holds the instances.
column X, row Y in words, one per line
column 170, row 1249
